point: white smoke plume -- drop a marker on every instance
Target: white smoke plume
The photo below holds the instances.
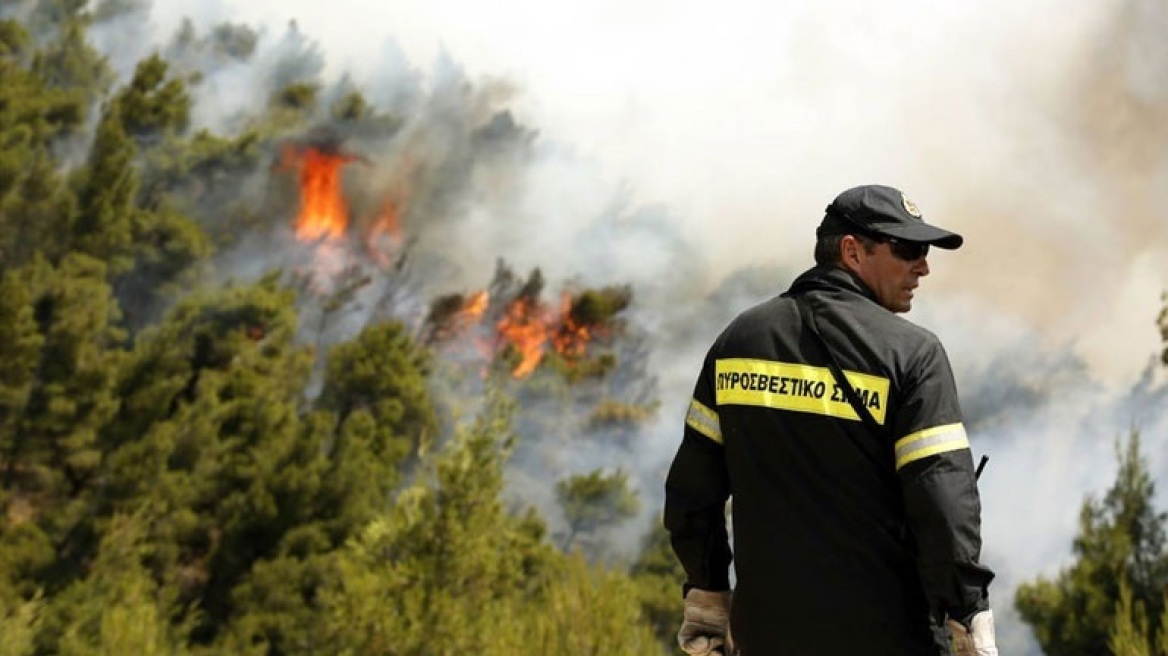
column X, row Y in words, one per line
column 690, row 151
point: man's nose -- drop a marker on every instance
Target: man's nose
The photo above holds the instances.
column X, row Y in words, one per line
column 921, row 266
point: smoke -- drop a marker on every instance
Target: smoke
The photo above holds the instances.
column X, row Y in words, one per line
column 691, row 151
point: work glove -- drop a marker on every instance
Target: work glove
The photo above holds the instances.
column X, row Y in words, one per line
column 706, row 624
column 977, row 639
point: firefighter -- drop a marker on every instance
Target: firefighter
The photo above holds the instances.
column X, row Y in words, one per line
column 835, row 426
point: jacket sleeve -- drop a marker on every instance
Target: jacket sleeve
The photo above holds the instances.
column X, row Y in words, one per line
column 942, row 505
column 696, row 491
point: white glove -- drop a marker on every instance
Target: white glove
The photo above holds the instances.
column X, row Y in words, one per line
column 978, row 639
column 706, row 624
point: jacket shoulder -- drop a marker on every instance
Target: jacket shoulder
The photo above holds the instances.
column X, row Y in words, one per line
column 911, row 335
column 760, row 317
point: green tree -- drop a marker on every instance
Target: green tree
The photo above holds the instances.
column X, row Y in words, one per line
column 67, row 61
column 52, row 451
column 14, row 39
column 197, row 171
column 1121, row 538
column 36, row 207
column 105, row 224
column 382, row 374
column 227, row 41
column 20, row 349
column 19, row 624
column 595, row 501
column 1132, row 634
column 374, row 413
column 658, row 575
column 33, row 218
column 152, row 105
column 210, row 443
column 117, row 608
column 448, row 570
column 148, row 250
column 168, row 250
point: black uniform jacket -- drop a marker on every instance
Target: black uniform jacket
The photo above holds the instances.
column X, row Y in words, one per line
column 845, row 541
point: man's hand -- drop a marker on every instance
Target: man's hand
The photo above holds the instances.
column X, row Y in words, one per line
column 977, row 639
column 707, row 623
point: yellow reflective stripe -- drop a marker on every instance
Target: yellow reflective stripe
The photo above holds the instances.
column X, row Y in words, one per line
column 929, row 442
column 704, row 421
column 798, row 387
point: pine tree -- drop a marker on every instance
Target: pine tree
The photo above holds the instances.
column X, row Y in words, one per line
column 382, row 374
column 117, row 608
column 33, row 218
column 210, row 444
column 594, row 502
column 1129, row 634
column 36, row 208
column 373, row 415
column 1121, row 539
column 105, row 224
column 20, row 348
column 153, row 106
column 67, row 61
column 449, row 571
column 52, row 452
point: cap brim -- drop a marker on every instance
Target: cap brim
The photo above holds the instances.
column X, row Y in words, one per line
column 924, row 233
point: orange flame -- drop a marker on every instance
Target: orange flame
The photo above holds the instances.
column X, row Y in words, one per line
column 532, row 330
column 324, row 214
column 475, row 306
column 526, row 330
column 527, row 326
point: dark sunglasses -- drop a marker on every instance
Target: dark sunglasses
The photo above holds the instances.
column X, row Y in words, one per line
column 909, row 251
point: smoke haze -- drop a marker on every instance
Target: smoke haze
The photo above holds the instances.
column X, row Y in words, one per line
column 690, row 151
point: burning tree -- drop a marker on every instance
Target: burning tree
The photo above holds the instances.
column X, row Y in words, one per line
column 516, row 329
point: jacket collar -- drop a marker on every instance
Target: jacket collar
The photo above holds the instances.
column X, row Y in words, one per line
column 826, row 277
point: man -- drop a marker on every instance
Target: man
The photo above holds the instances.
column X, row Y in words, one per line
column 855, row 506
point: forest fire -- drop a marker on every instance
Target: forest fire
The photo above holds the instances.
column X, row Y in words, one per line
column 525, row 326
column 324, row 214
column 523, row 330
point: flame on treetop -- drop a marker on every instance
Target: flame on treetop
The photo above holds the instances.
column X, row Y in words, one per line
column 324, row 214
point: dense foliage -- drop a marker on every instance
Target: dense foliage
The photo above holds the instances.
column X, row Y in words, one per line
column 198, row 467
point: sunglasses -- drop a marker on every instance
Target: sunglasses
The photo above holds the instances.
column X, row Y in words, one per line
column 909, row 251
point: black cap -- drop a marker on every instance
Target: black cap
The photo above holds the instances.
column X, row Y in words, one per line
column 877, row 210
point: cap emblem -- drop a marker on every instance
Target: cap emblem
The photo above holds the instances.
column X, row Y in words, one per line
column 910, row 206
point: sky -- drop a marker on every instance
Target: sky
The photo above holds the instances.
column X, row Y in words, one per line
column 1037, row 129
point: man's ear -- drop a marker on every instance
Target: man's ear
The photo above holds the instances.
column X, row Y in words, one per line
column 850, row 251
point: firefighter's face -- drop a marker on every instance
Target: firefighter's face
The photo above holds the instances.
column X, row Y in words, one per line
column 892, row 278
